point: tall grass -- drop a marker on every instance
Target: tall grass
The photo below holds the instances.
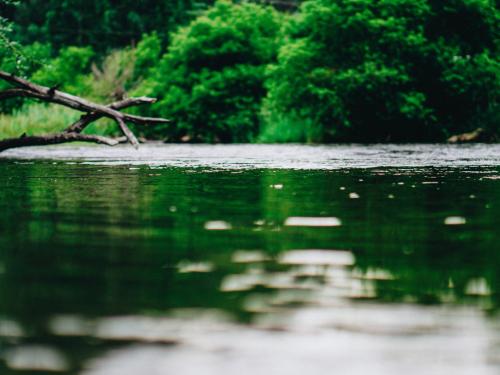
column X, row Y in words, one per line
column 114, row 78
column 106, row 83
column 39, row 118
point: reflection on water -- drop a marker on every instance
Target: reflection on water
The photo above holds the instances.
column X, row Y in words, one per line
column 108, row 268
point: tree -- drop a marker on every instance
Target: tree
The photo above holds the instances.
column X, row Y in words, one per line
column 102, row 24
column 211, row 80
column 7, row 47
column 399, row 70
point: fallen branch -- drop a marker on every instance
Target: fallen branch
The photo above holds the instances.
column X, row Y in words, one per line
column 85, row 120
column 52, row 139
column 478, row 135
column 93, row 112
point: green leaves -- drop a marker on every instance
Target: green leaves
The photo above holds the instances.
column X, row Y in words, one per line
column 211, row 81
column 67, row 70
column 102, row 24
column 370, row 70
column 336, row 70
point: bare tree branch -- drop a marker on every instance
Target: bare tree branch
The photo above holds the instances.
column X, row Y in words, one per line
column 94, row 111
column 50, row 139
column 85, row 120
column 128, row 133
column 13, row 93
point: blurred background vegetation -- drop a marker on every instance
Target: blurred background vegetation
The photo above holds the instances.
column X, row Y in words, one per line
column 283, row 71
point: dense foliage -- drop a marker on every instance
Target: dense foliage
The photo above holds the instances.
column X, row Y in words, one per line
column 102, row 24
column 5, row 24
column 211, row 81
column 9, row 50
column 384, row 70
column 334, row 70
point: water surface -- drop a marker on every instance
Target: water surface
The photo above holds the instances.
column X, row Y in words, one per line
column 250, row 259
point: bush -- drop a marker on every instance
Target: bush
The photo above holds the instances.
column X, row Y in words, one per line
column 103, row 24
column 211, row 81
column 123, row 70
column 113, row 77
column 399, row 70
column 146, row 55
column 67, row 71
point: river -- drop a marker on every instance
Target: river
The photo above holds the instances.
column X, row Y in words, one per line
column 250, row 259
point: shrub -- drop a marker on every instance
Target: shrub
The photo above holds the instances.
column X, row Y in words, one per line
column 113, row 77
column 147, row 54
column 67, row 71
column 122, row 70
column 211, row 81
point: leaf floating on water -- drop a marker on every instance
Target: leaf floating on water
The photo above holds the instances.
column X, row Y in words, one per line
column 318, row 257
column 217, row 225
column 195, row 267
column 303, row 221
column 455, row 220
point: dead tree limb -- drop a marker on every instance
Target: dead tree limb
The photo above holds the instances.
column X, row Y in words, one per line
column 52, row 139
column 93, row 112
column 88, row 118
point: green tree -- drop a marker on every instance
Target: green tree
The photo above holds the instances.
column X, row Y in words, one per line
column 67, row 71
column 211, row 81
column 103, row 24
column 400, row 70
column 8, row 48
column 15, row 58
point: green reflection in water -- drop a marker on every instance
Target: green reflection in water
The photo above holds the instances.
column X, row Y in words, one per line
column 96, row 241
